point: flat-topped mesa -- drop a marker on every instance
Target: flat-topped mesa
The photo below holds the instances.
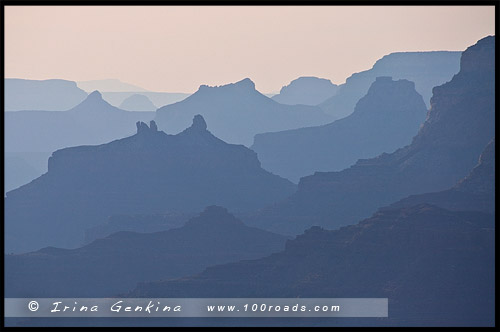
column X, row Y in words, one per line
column 244, row 84
column 387, row 81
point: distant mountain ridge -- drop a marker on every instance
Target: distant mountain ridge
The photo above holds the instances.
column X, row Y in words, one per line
column 426, row 69
column 306, row 90
column 385, row 119
column 31, row 136
column 148, row 173
column 159, row 99
column 458, row 127
column 236, row 112
column 93, row 121
column 137, row 102
column 109, row 85
column 35, row 95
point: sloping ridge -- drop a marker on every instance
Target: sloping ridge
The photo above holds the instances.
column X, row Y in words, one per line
column 475, row 192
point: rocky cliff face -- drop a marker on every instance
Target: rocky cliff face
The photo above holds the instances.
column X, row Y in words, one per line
column 385, row 119
column 458, row 127
column 475, row 192
column 236, row 112
column 147, row 173
column 115, row 264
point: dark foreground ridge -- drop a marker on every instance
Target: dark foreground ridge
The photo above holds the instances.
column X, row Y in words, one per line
column 115, row 264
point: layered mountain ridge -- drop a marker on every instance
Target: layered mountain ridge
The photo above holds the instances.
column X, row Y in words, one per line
column 93, row 121
column 236, row 112
column 458, row 127
column 385, row 119
column 147, row 173
column 115, row 264
column 426, row 69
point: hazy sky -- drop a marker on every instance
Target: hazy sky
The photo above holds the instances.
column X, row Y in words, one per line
column 176, row 49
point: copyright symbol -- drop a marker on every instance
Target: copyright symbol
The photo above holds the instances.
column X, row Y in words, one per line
column 33, row 306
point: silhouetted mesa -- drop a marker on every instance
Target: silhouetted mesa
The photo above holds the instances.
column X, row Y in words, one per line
column 426, row 69
column 385, row 119
column 236, row 112
column 147, row 173
column 115, row 264
column 306, row 91
column 459, row 125
column 33, row 95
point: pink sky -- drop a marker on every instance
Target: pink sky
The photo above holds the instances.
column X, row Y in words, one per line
column 176, row 49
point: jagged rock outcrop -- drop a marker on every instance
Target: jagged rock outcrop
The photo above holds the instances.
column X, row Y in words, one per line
column 385, row 119
column 306, row 90
column 147, row 173
column 236, row 112
column 459, row 125
column 115, row 264
column 426, row 69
